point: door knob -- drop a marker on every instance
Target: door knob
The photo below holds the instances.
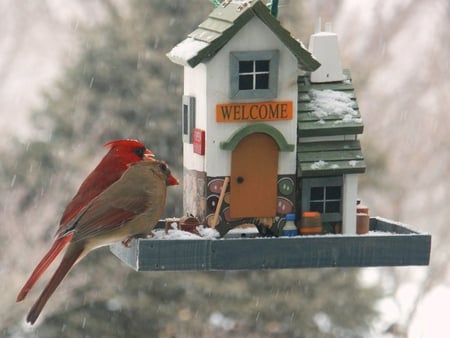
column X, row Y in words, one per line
column 239, row 179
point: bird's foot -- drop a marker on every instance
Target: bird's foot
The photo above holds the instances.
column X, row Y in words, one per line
column 127, row 242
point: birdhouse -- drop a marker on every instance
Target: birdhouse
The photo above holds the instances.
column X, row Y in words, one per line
column 270, row 129
column 251, row 112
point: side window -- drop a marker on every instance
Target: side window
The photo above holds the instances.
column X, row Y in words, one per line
column 325, row 199
column 254, row 74
column 188, row 118
column 323, row 195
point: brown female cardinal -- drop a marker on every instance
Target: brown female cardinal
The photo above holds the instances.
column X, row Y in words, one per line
column 123, row 197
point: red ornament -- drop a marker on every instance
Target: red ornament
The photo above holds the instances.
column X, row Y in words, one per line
column 198, row 138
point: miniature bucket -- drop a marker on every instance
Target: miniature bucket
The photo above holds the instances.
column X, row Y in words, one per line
column 362, row 219
column 362, row 223
column 310, row 223
column 362, row 209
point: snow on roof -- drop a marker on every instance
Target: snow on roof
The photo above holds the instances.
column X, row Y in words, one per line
column 328, row 102
column 318, row 164
column 186, row 49
column 327, row 109
column 223, row 23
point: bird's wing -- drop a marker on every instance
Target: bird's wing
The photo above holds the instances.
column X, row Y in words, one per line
column 139, row 190
column 102, row 217
column 97, row 181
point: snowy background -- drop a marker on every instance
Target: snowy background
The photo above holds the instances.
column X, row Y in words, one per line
column 399, row 56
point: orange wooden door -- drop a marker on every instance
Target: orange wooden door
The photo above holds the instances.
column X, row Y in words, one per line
column 254, row 171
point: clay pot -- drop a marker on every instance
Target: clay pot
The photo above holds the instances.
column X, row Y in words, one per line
column 362, row 223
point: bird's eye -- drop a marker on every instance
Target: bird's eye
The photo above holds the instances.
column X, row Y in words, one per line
column 140, row 152
column 164, row 168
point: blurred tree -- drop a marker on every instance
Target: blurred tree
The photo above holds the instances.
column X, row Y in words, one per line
column 404, row 98
column 286, row 303
column 122, row 86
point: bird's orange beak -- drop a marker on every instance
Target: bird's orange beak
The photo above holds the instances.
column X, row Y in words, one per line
column 171, row 180
column 148, row 155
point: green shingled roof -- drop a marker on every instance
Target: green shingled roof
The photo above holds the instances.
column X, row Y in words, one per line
column 328, row 109
column 223, row 23
column 330, row 158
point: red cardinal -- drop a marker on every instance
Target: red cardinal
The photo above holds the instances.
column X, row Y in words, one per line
column 123, row 197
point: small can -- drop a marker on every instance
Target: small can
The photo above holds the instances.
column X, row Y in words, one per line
column 311, row 223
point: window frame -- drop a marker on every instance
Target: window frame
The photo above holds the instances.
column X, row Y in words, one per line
column 267, row 55
column 187, row 118
column 323, row 182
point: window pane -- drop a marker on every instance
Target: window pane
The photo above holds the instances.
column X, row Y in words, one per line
column 185, row 119
column 262, row 81
column 317, row 194
column 316, row 206
column 262, row 66
column 334, row 206
column 245, row 82
column 333, row 193
column 245, row 66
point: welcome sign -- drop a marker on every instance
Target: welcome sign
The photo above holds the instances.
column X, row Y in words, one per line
column 255, row 111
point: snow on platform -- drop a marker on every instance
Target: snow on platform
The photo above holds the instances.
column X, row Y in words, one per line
column 387, row 244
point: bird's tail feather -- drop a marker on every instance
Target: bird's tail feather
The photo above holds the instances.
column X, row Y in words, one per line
column 70, row 258
column 54, row 251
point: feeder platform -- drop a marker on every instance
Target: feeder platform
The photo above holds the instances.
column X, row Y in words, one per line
column 387, row 244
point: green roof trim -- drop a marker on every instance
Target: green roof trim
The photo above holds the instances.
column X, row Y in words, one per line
column 328, row 109
column 312, row 129
column 223, row 23
column 238, row 135
column 330, row 158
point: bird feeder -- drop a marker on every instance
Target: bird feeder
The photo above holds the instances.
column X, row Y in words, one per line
column 271, row 128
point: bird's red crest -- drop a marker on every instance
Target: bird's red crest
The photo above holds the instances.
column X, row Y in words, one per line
column 124, row 142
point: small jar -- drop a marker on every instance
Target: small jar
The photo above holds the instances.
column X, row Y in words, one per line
column 290, row 229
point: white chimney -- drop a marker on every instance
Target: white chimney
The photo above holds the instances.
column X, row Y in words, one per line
column 324, row 47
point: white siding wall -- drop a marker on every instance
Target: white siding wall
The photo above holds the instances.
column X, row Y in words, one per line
column 195, row 85
column 349, row 197
column 254, row 36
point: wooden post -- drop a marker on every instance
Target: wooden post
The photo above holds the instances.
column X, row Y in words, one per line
column 219, row 203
